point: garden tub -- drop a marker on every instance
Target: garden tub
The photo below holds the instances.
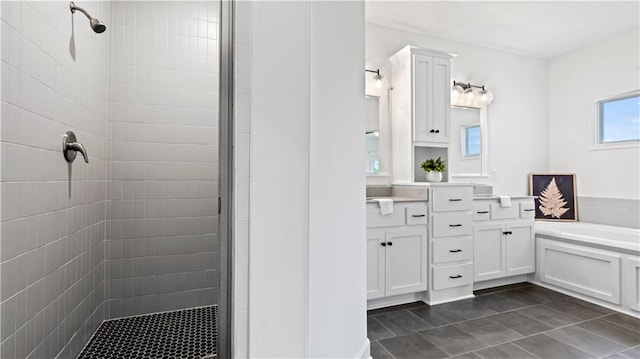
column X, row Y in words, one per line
column 595, row 262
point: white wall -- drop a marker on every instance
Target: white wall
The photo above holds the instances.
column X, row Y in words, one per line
column 55, row 73
column 607, row 68
column 307, row 257
column 279, row 184
column 337, row 277
column 518, row 117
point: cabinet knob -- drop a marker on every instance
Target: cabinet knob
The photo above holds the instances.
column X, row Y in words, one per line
column 437, row 131
column 383, row 244
column 455, row 225
column 390, row 243
column 455, row 250
column 432, row 131
column 455, row 276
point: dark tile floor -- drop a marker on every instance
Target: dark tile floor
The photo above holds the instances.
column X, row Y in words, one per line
column 516, row 321
column 188, row 334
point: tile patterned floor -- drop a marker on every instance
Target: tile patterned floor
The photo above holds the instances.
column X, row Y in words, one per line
column 189, row 333
column 517, row 321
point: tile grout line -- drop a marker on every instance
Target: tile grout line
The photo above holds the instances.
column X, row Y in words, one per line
column 385, row 327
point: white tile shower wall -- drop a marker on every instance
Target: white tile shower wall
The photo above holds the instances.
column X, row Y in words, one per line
column 162, row 240
column 242, row 145
column 54, row 76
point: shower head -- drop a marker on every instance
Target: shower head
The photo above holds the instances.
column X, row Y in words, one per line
column 96, row 24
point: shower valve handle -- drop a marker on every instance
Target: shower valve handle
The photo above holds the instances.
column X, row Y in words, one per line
column 70, row 147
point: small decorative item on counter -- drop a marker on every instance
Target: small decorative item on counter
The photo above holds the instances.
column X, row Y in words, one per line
column 434, row 169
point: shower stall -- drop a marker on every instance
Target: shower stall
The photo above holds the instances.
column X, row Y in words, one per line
column 126, row 254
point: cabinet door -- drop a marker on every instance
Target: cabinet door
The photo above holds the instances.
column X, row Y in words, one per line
column 406, row 261
column 375, row 264
column 441, row 99
column 520, row 248
column 422, row 98
column 488, row 251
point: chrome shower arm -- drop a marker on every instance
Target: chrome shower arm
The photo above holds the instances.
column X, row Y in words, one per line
column 73, row 8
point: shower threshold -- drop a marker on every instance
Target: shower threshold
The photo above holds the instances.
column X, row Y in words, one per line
column 188, row 333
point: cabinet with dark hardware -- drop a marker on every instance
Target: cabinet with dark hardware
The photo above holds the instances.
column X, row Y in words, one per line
column 421, row 111
column 504, row 239
column 396, row 252
column 450, row 243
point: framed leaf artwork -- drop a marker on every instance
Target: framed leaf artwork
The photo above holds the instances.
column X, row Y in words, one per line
column 556, row 196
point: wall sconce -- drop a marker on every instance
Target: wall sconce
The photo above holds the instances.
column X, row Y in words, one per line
column 377, row 77
column 465, row 90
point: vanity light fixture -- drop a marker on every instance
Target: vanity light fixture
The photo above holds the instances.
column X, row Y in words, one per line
column 466, row 89
column 377, row 77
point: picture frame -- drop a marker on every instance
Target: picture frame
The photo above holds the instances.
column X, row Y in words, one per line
column 556, row 198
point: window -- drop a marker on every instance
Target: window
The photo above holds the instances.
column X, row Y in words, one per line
column 471, row 142
column 618, row 119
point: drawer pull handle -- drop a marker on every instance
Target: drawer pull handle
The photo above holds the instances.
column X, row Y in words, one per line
column 482, row 212
column 529, row 210
column 455, row 250
column 383, row 244
column 455, row 276
column 389, row 244
column 455, row 225
column 507, row 232
column 455, row 199
column 418, row 215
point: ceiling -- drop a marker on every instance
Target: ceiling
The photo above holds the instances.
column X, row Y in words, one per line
column 542, row 29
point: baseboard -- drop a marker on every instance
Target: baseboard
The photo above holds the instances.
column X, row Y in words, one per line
column 365, row 351
column 395, row 300
column 448, row 300
column 500, row 282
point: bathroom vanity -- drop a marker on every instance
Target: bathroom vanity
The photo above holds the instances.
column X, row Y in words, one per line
column 441, row 243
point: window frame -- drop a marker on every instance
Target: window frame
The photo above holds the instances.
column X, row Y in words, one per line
column 597, row 142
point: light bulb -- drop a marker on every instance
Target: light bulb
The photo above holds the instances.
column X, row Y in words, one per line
column 468, row 93
column 486, row 96
column 378, row 83
column 456, row 92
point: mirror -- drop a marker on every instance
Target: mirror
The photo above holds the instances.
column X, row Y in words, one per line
column 372, row 133
column 468, row 149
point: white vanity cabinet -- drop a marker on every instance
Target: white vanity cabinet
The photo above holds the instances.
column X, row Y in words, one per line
column 504, row 239
column 421, row 111
column 450, row 243
column 396, row 250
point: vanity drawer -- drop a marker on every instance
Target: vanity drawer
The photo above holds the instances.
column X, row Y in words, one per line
column 527, row 210
column 452, row 225
column 498, row 212
column 416, row 215
column 375, row 219
column 481, row 211
column 452, row 250
column 451, row 199
column 452, row 276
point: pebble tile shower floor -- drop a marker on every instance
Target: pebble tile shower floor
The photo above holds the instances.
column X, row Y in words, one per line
column 189, row 333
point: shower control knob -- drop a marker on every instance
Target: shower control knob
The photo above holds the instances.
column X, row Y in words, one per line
column 70, row 147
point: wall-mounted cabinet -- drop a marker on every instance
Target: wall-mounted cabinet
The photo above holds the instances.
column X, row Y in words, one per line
column 420, row 109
